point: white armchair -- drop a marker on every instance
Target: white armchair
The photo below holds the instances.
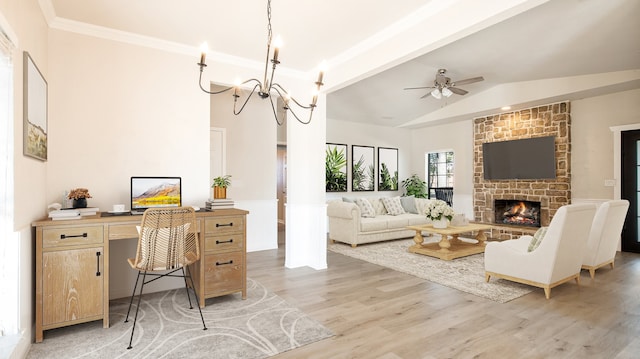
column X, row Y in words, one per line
column 558, row 258
column 605, row 235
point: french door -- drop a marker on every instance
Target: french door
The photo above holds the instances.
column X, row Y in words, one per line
column 631, row 189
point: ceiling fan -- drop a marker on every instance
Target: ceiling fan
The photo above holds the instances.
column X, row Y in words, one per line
column 443, row 86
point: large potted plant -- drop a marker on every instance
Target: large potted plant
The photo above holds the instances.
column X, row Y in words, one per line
column 220, row 185
column 415, row 186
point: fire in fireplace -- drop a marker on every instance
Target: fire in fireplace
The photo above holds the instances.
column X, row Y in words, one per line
column 517, row 212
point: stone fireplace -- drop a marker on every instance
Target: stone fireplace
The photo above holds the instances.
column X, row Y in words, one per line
column 551, row 194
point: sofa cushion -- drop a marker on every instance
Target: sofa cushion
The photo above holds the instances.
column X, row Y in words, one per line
column 397, row 222
column 373, row 224
column 409, row 204
column 378, row 206
column 418, row 220
column 366, row 210
column 393, row 205
column 421, row 205
column 537, row 238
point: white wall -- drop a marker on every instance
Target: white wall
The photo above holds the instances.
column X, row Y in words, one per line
column 30, row 175
column 251, row 162
column 592, row 141
column 457, row 137
column 352, row 133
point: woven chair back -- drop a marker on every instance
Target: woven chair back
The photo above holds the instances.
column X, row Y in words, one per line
column 168, row 239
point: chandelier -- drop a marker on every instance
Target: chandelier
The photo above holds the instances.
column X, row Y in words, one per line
column 267, row 88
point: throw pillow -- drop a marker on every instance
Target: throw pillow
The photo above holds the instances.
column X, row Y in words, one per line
column 393, row 205
column 537, row 238
column 366, row 209
column 421, row 205
column 409, row 204
column 378, row 206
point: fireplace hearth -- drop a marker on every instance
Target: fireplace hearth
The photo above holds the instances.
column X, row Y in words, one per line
column 517, row 212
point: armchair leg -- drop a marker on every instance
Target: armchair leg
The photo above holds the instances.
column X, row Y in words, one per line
column 487, row 276
column 547, row 292
column 592, row 272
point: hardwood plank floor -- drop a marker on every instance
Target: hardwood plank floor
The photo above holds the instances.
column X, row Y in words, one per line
column 377, row 312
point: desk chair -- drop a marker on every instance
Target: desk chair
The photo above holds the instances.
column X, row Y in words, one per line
column 167, row 241
column 445, row 194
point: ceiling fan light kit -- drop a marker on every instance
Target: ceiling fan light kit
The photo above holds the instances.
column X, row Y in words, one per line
column 443, row 86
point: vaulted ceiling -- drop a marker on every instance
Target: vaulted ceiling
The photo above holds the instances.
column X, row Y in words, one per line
column 529, row 52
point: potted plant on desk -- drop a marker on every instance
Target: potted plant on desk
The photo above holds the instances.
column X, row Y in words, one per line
column 220, row 185
column 79, row 197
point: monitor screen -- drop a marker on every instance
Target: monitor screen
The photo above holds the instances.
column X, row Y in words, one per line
column 154, row 192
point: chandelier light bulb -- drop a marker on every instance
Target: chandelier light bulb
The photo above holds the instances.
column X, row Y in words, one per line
column 204, row 48
column 436, row 93
column 446, row 92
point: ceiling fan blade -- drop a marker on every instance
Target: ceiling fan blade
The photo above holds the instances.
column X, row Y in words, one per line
column 458, row 91
column 425, row 95
column 419, row 88
column 468, row 81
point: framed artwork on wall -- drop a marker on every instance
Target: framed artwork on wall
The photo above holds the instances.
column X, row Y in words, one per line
column 35, row 110
column 336, row 167
column 387, row 169
column 363, row 168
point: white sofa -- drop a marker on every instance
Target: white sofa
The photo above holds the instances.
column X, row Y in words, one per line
column 347, row 225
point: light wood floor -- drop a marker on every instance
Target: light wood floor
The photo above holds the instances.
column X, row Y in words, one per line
column 376, row 312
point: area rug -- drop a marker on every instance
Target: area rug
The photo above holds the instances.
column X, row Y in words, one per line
column 465, row 274
column 258, row 327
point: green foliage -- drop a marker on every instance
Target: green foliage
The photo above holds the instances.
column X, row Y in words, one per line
column 415, row 186
column 336, row 180
column 387, row 182
column 222, row 181
column 362, row 176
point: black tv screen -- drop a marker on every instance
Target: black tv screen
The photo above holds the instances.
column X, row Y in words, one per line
column 531, row 158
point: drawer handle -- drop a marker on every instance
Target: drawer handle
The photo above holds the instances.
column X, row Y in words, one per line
column 224, row 225
column 223, row 263
column 97, row 264
column 229, row 241
column 63, row 236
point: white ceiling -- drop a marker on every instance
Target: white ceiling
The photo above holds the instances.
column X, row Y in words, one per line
column 529, row 51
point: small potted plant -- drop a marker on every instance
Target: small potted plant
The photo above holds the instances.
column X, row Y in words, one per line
column 220, row 185
column 79, row 197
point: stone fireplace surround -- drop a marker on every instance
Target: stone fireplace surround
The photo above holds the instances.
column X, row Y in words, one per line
column 549, row 120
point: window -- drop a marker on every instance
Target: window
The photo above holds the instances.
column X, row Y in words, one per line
column 439, row 171
column 9, row 287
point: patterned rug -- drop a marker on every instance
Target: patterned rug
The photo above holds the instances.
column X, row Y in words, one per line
column 465, row 274
column 258, row 327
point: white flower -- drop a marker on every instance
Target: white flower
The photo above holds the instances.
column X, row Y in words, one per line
column 437, row 209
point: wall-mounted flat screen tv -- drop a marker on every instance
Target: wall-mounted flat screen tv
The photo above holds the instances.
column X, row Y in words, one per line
column 531, row 158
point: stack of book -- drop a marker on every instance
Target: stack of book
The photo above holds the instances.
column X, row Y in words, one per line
column 88, row 211
column 63, row 214
column 219, row 203
column 73, row 213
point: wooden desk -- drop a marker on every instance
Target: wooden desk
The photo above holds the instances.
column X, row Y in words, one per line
column 449, row 249
column 72, row 263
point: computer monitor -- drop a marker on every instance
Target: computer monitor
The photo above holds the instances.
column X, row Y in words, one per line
column 154, row 192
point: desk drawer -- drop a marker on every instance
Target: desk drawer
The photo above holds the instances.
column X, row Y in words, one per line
column 228, row 243
column 72, row 236
column 224, row 225
column 224, row 273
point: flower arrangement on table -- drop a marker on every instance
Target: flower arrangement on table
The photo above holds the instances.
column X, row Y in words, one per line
column 78, row 193
column 439, row 209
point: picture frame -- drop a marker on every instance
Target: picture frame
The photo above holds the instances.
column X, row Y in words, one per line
column 387, row 169
column 35, row 110
column 363, row 168
column 336, row 167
